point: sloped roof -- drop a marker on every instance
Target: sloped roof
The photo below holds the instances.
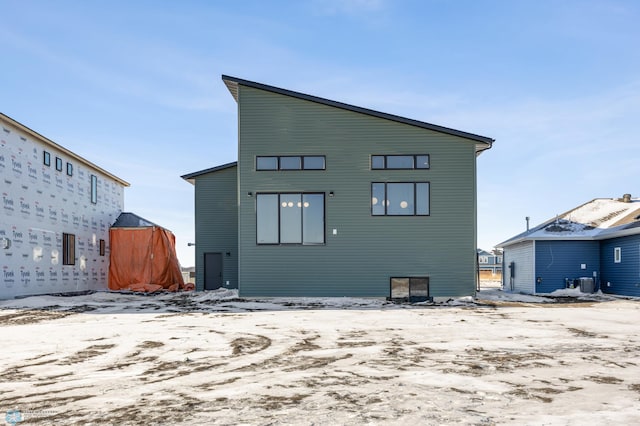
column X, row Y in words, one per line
column 132, row 220
column 191, row 177
column 232, row 83
column 47, row 141
column 598, row 219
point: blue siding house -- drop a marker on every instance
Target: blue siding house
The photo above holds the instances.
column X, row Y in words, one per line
column 490, row 264
column 594, row 246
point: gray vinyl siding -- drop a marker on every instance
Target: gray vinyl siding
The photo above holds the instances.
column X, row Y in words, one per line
column 523, row 257
column 367, row 250
column 216, row 207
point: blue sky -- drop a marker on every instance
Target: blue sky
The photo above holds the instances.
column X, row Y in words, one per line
column 134, row 86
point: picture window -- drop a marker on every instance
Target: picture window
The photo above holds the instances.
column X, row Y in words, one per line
column 400, row 199
column 290, row 218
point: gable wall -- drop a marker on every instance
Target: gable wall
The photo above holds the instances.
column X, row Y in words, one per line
column 367, row 250
column 39, row 204
column 621, row 278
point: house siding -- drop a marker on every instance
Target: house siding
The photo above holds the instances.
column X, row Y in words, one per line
column 621, row 278
column 366, row 250
column 558, row 260
column 522, row 255
column 216, row 223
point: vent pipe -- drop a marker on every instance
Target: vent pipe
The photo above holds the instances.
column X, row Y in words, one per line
column 626, row 198
column 527, row 219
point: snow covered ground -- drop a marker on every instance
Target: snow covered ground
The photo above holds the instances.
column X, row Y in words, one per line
column 212, row 358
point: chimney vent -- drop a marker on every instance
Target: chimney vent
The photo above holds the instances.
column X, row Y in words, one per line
column 626, row 198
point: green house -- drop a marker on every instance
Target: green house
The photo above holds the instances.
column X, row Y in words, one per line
column 330, row 199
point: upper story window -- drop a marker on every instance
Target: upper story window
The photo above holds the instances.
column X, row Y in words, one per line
column 400, row 199
column 290, row 218
column 400, row 162
column 59, row 164
column 291, row 162
column 94, row 189
column 69, row 169
column 483, row 259
column 46, row 158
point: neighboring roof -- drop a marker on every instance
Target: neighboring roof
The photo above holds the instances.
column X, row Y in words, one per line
column 132, row 220
column 190, row 177
column 51, row 143
column 598, row 219
column 232, row 83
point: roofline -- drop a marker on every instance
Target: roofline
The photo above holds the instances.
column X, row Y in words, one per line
column 232, row 84
column 36, row 135
column 190, row 177
column 602, row 235
column 134, row 227
column 605, row 234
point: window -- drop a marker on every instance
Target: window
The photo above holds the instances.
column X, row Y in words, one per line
column 313, row 162
column 290, row 218
column 291, row 162
column 400, row 162
column 400, row 199
column 102, row 247
column 69, row 169
column 410, row 288
column 266, row 163
column 617, row 255
column 46, row 158
column 94, row 189
column 483, row 259
column 59, row 164
column 68, row 249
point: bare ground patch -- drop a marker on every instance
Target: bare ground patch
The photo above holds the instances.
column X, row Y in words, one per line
column 31, row 317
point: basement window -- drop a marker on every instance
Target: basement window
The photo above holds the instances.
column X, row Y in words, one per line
column 410, row 288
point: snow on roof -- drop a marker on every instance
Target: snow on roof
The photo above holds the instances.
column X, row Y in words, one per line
column 599, row 217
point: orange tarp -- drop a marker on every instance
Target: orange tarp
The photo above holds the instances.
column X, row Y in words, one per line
column 144, row 259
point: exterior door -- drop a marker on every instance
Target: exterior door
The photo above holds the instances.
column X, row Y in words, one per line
column 212, row 271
